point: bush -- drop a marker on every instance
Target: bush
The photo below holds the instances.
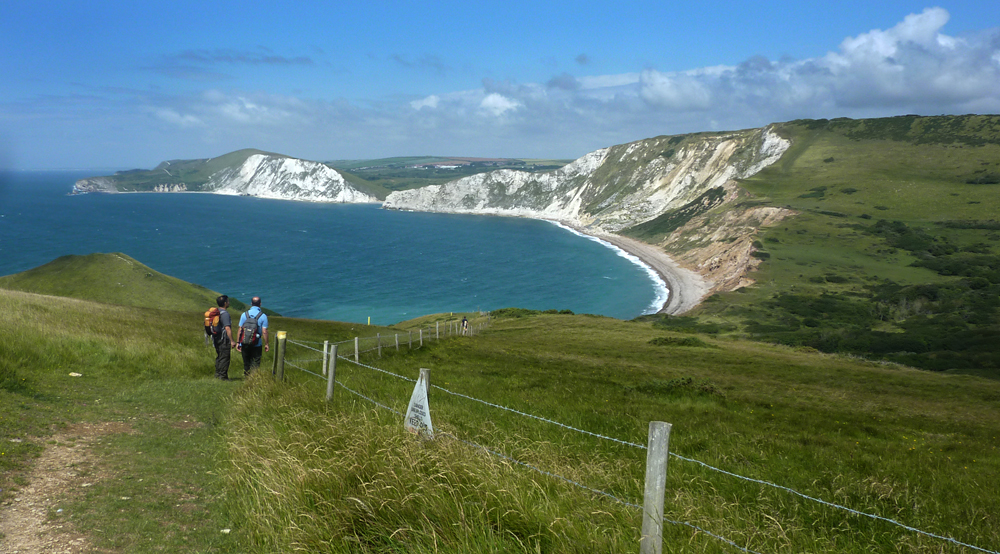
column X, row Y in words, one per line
column 682, row 386
column 685, row 341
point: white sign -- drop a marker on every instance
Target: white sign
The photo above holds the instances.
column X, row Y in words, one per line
column 418, row 414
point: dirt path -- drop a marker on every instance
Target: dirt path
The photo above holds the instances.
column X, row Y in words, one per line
column 66, row 467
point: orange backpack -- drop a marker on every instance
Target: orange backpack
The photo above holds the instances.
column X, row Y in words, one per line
column 212, row 323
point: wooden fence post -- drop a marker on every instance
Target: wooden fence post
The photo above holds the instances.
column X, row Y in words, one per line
column 326, row 360
column 421, row 336
column 274, row 360
column 656, row 484
column 397, row 342
column 378, row 338
column 281, row 355
column 332, row 376
column 355, row 349
column 437, row 330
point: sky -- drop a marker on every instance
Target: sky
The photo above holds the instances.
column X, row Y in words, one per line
column 122, row 85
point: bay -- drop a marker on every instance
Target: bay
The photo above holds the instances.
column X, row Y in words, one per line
column 339, row 262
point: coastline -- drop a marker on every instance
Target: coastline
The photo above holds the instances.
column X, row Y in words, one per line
column 686, row 288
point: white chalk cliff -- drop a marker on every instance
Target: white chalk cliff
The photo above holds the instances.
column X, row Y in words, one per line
column 683, row 178
column 268, row 176
column 612, row 188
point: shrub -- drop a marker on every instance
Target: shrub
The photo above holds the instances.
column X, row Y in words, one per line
column 685, row 341
column 682, row 386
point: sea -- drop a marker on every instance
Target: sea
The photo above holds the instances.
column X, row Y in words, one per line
column 341, row 262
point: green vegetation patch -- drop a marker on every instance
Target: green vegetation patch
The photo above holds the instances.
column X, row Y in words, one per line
column 680, row 341
column 681, row 387
column 918, row 287
column 522, row 312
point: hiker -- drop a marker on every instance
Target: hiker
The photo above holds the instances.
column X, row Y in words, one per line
column 465, row 325
column 253, row 336
column 224, row 340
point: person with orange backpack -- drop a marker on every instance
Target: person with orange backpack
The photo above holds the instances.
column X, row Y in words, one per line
column 219, row 326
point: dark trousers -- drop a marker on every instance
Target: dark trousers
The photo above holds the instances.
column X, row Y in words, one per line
column 251, row 358
column 222, row 359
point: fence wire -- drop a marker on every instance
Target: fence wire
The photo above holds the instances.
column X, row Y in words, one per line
column 622, row 442
column 539, row 470
column 703, row 464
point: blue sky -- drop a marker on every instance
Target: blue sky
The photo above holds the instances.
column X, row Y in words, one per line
column 115, row 85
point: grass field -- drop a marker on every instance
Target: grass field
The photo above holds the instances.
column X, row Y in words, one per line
column 284, row 470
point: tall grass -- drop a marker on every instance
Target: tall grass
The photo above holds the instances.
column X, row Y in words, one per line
column 348, row 479
column 880, row 439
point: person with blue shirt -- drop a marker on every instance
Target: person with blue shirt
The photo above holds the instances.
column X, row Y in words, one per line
column 254, row 352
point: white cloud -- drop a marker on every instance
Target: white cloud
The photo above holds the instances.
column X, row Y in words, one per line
column 675, row 91
column 497, row 104
column 912, row 67
column 175, row 118
column 431, row 102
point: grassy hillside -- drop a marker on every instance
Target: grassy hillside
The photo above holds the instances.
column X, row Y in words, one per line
column 284, row 471
column 113, row 279
column 895, row 253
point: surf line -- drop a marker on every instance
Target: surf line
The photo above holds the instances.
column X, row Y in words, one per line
column 660, row 288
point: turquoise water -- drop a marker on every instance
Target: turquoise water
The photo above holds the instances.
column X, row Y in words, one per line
column 325, row 261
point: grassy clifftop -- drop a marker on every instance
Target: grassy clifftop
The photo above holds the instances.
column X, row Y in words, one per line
column 113, row 279
column 895, row 249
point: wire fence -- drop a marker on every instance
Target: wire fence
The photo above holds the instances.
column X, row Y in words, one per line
column 352, row 357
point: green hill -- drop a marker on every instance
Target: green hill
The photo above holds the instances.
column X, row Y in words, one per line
column 113, row 279
column 894, row 251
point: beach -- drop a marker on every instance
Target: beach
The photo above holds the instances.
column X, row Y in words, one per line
column 686, row 288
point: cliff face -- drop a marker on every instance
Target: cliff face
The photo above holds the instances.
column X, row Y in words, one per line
column 612, row 188
column 94, row 184
column 245, row 172
column 720, row 246
column 267, row 176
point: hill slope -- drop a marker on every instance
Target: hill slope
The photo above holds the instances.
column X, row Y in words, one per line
column 894, row 251
column 113, row 279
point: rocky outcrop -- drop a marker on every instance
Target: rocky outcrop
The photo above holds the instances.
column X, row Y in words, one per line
column 175, row 187
column 720, row 246
column 94, row 184
column 270, row 176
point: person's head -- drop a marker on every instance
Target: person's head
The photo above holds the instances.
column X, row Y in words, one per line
column 255, row 301
column 222, row 301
